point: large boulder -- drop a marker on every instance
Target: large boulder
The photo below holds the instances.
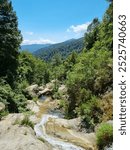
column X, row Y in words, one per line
column 17, row 137
column 2, row 106
column 31, row 105
column 32, row 90
column 62, row 90
column 67, row 130
column 50, row 85
column 46, row 91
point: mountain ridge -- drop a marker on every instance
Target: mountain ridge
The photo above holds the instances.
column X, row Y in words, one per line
column 64, row 49
column 33, row 47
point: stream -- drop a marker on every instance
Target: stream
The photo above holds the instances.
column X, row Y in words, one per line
column 56, row 143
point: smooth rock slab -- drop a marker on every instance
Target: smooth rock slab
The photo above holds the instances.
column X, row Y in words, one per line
column 17, row 137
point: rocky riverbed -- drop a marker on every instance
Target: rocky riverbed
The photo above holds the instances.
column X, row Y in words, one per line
column 51, row 130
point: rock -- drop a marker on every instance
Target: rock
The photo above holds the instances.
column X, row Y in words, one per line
column 41, row 88
column 50, row 86
column 16, row 137
column 66, row 130
column 32, row 90
column 110, row 122
column 109, row 148
column 69, row 124
column 34, row 119
column 31, row 105
column 2, row 106
column 62, row 90
column 46, row 91
column 54, row 81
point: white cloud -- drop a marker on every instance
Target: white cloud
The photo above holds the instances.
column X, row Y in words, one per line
column 29, row 33
column 78, row 28
column 40, row 41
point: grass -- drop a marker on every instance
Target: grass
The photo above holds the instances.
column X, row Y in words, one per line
column 41, row 139
column 27, row 122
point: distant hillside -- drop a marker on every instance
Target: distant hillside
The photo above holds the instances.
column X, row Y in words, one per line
column 64, row 49
column 33, row 47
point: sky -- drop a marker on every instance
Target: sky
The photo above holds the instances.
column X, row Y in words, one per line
column 53, row 21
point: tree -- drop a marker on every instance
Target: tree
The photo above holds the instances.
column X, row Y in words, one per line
column 32, row 69
column 10, row 39
column 106, row 30
column 92, row 34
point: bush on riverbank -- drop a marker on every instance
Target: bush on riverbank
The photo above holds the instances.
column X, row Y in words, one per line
column 104, row 136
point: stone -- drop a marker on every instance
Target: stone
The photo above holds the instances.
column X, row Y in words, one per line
column 2, row 106
column 50, row 85
column 41, row 88
column 31, row 105
column 67, row 130
column 16, row 137
column 32, row 90
column 46, row 91
column 62, row 90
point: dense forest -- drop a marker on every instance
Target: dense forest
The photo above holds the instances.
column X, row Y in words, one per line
column 64, row 49
column 87, row 72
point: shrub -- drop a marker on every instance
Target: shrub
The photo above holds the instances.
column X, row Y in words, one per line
column 13, row 99
column 91, row 113
column 104, row 135
column 3, row 113
column 41, row 139
column 27, row 122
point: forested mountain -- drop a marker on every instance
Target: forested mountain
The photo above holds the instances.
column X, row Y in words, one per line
column 33, row 47
column 64, row 49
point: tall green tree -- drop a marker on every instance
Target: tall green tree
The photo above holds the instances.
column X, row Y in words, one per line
column 106, row 30
column 92, row 34
column 10, row 39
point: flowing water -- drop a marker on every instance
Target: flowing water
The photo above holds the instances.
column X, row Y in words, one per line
column 43, row 98
column 56, row 143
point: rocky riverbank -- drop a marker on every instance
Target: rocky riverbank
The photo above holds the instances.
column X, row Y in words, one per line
column 50, row 132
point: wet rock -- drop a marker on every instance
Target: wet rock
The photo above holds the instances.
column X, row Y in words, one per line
column 109, row 148
column 66, row 130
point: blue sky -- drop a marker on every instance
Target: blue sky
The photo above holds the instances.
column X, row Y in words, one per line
column 52, row 21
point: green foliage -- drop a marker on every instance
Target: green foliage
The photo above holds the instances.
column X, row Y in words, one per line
column 92, row 73
column 106, row 31
column 27, row 122
column 31, row 69
column 91, row 113
column 10, row 39
column 7, row 95
column 64, row 49
column 3, row 114
column 88, row 75
column 41, row 139
column 14, row 102
column 104, row 135
column 92, row 34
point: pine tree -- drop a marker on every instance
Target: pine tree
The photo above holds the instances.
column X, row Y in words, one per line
column 92, row 34
column 10, row 39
